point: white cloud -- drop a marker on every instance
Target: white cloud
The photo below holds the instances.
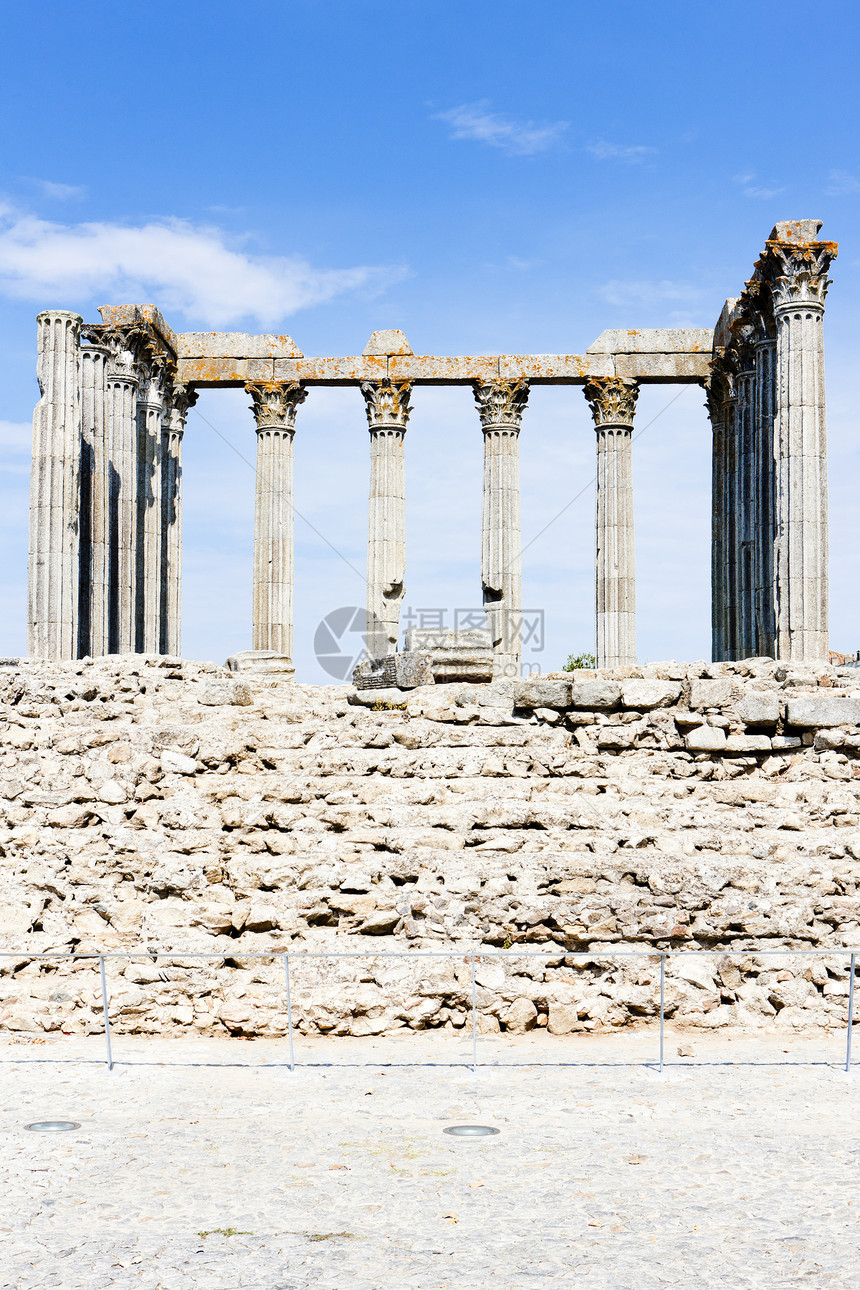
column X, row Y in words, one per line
column 605, row 151
column 640, row 291
column 185, row 268
column 16, row 435
column 751, row 189
column 59, row 192
column 842, row 184
column 520, row 138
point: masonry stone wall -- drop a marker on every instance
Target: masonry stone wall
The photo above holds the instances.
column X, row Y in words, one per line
column 154, row 804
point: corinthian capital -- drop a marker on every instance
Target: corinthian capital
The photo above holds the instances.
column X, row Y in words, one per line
column 612, row 400
column 798, row 274
column 501, row 403
column 387, row 403
column 274, row 403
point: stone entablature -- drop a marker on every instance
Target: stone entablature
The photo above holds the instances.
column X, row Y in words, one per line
column 106, row 491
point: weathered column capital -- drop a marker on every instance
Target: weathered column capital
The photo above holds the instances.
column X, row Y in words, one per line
column 718, row 390
column 501, row 403
column 612, row 400
column 387, row 404
column 275, row 403
column 798, row 274
column 181, row 401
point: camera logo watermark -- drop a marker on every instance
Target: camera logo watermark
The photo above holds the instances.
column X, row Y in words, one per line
column 340, row 640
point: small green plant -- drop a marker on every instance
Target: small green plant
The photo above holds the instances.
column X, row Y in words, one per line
column 224, row 1231
column 579, row 660
column 383, row 705
column 327, row 1236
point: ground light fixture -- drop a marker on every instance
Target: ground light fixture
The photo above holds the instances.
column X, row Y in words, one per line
column 470, row 1131
column 51, row 1126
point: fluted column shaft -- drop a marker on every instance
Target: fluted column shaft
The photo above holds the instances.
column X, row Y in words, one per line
column 765, row 643
column 501, row 405
column 716, row 405
column 150, row 410
column 274, row 406
column 745, row 523
column 54, row 490
column 121, row 417
column 387, row 405
column 94, row 598
column 800, row 575
column 173, row 431
column 613, row 405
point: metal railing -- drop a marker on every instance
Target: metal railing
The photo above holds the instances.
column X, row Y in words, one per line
column 462, row 955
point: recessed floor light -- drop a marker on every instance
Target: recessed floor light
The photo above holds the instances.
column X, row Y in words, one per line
column 470, row 1130
column 51, row 1126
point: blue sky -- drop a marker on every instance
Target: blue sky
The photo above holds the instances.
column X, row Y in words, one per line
column 486, row 175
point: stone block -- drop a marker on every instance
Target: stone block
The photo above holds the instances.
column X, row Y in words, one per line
column 520, row 1017
column 706, row 739
column 457, row 656
column 663, row 367
column 536, row 693
column 562, row 1019
column 217, row 693
column 595, row 694
column 405, row 671
column 235, row 344
column 748, row 743
column 390, row 341
column 712, row 694
column 654, row 340
column 262, row 662
column 759, row 709
column 645, row 695
column 368, row 698
column 781, row 742
column 548, row 368
column 813, row 710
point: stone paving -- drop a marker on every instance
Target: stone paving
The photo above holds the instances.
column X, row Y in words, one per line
column 207, row 1164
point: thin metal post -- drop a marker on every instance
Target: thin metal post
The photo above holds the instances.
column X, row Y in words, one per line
column 289, row 1011
column 662, row 1005
column 105, row 1010
column 474, row 1020
column 850, row 1016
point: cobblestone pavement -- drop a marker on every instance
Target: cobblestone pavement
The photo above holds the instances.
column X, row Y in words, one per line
column 206, row 1164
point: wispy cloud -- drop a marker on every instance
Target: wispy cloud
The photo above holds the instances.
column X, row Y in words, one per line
column 751, row 188
column 641, row 291
column 187, row 268
column 603, row 150
column 15, row 436
column 59, row 192
column 519, row 138
column 842, row 184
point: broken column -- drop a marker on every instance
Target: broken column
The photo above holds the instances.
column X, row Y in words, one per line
column 501, row 405
column 53, row 564
column 613, row 404
column 274, row 405
column 388, row 407
column 796, row 265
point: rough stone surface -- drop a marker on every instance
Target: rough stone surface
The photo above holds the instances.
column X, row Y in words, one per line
column 137, row 816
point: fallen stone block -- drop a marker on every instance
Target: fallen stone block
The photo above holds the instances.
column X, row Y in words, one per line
column 706, row 739
column 759, row 709
column 595, row 694
column 405, row 671
column 645, row 695
column 542, row 694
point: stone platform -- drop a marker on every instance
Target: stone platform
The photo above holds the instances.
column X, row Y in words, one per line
column 154, row 804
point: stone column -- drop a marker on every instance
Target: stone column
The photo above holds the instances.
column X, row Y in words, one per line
column 121, row 418
column 716, row 394
column 730, row 518
column 173, row 430
column 745, row 525
column 613, row 405
column 94, row 598
column 150, row 410
column 387, row 405
column 799, row 285
column 501, row 405
column 274, row 406
column 52, row 611
column 765, row 352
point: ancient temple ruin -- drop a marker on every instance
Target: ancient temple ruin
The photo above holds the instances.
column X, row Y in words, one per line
column 106, row 497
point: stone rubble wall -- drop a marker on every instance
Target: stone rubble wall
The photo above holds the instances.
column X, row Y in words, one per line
column 154, row 804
